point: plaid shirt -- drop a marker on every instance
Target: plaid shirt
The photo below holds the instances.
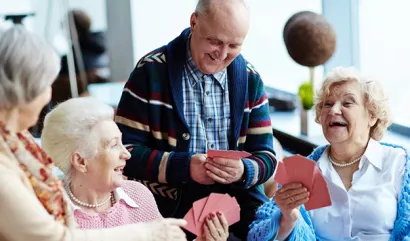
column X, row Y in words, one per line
column 206, row 107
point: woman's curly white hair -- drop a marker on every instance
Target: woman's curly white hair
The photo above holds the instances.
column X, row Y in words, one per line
column 375, row 97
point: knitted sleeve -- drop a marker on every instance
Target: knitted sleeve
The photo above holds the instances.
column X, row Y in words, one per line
column 266, row 225
column 140, row 117
column 401, row 228
column 259, row 139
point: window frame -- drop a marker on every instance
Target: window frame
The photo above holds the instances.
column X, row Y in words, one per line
column 347, row 53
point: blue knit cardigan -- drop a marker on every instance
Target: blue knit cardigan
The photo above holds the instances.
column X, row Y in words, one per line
column 268, row 215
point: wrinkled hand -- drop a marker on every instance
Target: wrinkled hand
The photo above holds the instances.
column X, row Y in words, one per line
column 197, row 170
column 167, row 229
column 289, row 198
column 215, row 227
column 225, row 171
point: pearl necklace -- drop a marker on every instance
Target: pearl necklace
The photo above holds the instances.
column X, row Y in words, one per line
column 84, row 204
column 345, row 164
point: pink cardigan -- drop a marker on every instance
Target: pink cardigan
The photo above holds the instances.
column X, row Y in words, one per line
column 135, row 203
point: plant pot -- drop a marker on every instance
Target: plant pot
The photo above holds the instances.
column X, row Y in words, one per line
column 304, row 122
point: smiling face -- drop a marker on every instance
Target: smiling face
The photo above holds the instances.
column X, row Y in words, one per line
column 218, row 35
column 105, row 169
column 344, row 116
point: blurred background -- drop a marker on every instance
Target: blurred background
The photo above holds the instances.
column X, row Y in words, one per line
column 372, row 35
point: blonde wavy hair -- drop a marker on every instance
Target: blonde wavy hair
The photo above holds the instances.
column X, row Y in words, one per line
column 375, row 97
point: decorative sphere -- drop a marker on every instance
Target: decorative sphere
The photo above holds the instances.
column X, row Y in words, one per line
column 309, row 39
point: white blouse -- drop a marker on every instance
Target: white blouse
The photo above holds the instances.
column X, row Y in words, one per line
column 368, row 210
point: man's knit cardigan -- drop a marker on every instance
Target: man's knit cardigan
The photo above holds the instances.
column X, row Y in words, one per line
column 268, row 216
column 150, row 116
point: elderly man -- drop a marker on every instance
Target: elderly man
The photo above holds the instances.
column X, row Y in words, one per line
column 195, row 94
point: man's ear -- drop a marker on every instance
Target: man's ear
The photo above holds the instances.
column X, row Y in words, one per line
column 78, row 162
column 193, row 21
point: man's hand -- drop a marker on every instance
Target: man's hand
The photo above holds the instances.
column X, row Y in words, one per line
column 225, row 171
column 198, row 170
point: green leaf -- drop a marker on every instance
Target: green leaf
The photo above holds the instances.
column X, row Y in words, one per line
column 306, row 95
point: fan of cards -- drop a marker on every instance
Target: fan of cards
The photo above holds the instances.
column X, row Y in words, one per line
column 213, row 203
column 299, row 169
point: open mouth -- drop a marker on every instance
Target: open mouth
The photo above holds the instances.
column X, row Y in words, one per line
column 119, row 169
column 210, row 56
column 337, row 124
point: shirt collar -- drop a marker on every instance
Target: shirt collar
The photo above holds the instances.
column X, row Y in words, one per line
column 119, row 194
column 373, row 155
column 197, row 74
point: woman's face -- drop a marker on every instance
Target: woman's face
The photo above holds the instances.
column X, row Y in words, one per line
column 104, row 171
column 28, row 113
column 344, row 116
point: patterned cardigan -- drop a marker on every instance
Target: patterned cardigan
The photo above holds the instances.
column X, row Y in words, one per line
column 150, row 116
column 268, row 216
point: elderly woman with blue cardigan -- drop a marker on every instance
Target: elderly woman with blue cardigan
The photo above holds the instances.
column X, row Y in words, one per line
column 368, row 181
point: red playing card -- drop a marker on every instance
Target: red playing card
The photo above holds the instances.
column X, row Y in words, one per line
column 228, row 154
column 190, row 226
column 319, row 196
column 233, row 214
column 300, row 170
column 225, row 203
column 210, row 205
column 199, row 228
column 198, row 207
column 281, row 175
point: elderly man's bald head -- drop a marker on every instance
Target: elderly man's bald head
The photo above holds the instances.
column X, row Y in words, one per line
column 218, row 28
column 206, row 6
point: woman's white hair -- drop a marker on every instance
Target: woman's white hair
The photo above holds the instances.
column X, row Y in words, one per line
column 28, row 65
column 68, row 129
column 375, row 97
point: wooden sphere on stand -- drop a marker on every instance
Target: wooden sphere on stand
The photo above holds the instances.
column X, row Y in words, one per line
column 309, row 38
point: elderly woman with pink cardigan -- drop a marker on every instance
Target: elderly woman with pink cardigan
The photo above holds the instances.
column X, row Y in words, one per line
column 81, row 136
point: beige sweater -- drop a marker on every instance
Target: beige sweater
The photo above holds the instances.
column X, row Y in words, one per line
column 23, row 217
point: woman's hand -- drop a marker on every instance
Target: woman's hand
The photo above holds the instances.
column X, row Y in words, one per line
column 289, row 198
column 215, row 228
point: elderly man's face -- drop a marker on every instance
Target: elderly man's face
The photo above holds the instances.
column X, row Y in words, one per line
column 217, row 37
column 344, row 116
column 104, row 171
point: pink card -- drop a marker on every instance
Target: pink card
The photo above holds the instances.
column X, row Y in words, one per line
column 319, row 196
column 225, row 203
column 200, row 228
column 233, row 215
column 190, row 226
column 281, row 175
column 300, row 170
column 198, row 207
column 217, row 202
column 228, row 154
column 211, row 203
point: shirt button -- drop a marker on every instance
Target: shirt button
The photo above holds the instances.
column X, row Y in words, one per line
column 186, row 136
column 211, row 146
column 207, row 93
column 209, row 119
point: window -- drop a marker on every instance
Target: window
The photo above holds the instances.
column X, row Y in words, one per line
column 385, row 50
column 264, row 46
